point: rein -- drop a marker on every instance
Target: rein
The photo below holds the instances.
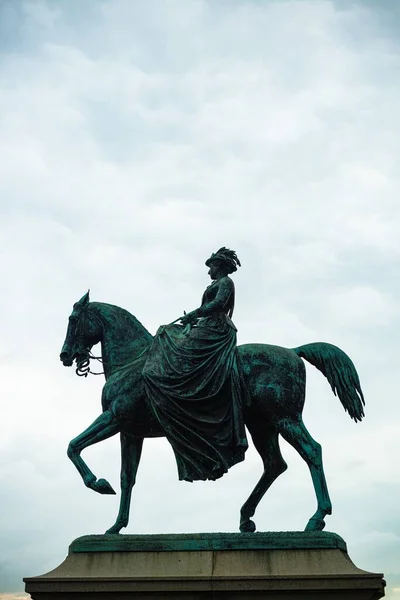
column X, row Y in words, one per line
column 83, row 365
column 85, row 355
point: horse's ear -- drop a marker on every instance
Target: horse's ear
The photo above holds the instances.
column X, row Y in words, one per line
column 84, row 301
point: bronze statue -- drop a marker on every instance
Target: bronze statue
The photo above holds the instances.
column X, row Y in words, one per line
column 192, row 384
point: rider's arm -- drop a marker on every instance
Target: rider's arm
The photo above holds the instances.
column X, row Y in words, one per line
column 225, row 289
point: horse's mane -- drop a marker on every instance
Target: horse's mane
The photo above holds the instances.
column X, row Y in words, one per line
column 120, row 318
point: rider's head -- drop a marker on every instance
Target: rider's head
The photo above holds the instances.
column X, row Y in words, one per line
column 223, row 262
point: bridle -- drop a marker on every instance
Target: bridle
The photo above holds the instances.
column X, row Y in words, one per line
column 84, row 354
column 83, row 365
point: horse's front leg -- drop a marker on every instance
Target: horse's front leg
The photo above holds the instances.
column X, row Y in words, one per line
column 131, row 450
column 105, row 426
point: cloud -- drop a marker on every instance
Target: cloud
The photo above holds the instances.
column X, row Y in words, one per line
column 136, row 139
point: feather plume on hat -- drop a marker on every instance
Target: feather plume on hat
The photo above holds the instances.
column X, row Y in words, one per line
column 226, row 256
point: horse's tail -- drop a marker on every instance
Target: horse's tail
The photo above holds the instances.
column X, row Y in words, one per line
column 341, row 373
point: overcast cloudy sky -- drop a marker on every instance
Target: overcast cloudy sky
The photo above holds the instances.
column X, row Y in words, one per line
column 135, row 139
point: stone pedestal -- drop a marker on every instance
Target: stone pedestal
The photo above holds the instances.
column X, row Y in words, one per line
column 287, row 565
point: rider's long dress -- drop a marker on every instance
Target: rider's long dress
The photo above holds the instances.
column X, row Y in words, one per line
column 195, row 387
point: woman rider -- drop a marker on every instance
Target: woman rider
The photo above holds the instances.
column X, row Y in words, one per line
column 193, row 380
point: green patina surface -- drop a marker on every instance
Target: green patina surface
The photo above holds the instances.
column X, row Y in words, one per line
column 192, row 542
column 192, row 384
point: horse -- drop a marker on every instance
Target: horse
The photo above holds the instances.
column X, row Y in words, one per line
column 276, row 381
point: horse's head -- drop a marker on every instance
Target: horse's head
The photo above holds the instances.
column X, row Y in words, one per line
column 83, row 332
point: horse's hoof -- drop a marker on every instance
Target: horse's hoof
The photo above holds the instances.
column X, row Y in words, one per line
column 315, row 524
column 113, row 530
column 247, row 526
column 103, row 487
column 116, row 528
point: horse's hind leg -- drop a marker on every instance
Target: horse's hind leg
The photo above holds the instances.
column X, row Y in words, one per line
column 295, row 432
column 131, row 450
column 267, row 445
column 105, row 426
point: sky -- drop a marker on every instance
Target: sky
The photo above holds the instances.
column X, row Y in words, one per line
column 135, row 139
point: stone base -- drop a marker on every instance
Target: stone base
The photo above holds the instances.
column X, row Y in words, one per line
column 287, row 565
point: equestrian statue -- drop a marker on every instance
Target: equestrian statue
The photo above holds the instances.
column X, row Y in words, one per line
column 192, row 384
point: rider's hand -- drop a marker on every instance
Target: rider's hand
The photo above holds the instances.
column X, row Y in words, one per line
column 190, row 317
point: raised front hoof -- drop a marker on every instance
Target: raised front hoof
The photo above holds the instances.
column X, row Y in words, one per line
column 247, row 526
column 102, row 487
column 315, row 524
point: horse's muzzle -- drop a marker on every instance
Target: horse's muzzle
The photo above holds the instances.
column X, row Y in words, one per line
column 66, row 359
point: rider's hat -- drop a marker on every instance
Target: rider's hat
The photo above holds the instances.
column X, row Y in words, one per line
column 226, row 256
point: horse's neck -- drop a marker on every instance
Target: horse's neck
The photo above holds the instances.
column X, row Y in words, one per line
column 124, row 337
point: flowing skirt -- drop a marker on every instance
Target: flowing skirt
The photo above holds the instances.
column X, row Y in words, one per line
column 195, row 389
